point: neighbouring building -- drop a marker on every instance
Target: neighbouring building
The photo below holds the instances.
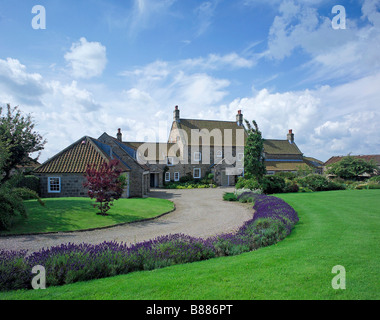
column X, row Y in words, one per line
column 374, row 157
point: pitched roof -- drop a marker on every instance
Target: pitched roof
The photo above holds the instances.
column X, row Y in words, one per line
column 76, row 157
column 374, row 157
column 313, row 162
column 280, row 147
column 187, row 125
column 285, row 165
column 161, row 150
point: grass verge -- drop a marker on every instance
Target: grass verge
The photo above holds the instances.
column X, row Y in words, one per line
column 73, row 214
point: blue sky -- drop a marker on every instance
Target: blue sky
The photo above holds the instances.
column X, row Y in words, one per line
column 103, row 65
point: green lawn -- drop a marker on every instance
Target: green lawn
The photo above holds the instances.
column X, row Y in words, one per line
column 335, row 228
column 70, row 214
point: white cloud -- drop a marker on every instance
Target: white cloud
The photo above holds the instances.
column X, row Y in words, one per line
column 326, row 121
column 216, row 61
column 86, row 59
column 205, row 13
column 16, row 84
column 335, row 54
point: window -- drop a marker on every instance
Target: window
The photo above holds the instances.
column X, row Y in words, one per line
column 241, row 172
column 169, row 161
column 54, row 185
column 197, row 173
column 167, row 176
column 219, row 154
column 240, row 156
column 176, row 176
column 270, row 173
column 197, row 156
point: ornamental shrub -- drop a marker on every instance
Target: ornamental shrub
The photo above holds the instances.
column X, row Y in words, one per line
column 273, row 184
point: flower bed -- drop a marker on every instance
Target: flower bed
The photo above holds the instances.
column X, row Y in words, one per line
column 69, row 263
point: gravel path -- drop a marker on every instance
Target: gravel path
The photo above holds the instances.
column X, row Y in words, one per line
column 199, row 213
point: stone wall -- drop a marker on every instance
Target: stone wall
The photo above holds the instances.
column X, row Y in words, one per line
column 71, row 185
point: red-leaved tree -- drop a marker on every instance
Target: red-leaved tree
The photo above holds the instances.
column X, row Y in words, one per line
column 105, row 184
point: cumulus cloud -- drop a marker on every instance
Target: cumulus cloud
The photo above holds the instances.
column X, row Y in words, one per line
column 86, row 59
column 19, row 86
column 335, row 54
column 326, row 121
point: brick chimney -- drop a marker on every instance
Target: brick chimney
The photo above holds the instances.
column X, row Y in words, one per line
column 239, row 118
column 176, row 114
column 290, row 136
column 119, row 135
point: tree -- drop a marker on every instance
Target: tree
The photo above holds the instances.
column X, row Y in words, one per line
column 11, row 198
column 254, row 162
column 105, row 184
column 17, row 133
column 350, row 168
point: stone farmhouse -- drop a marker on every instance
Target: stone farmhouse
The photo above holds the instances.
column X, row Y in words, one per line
column 195, row 148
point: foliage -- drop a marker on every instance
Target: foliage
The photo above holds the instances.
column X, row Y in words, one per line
column 11, row 198
column 350, row 168
column 190, row 185
column 247, row 183
column 17, row 133
column 316, row 182
column 69, row 263
column 31, row 182
column 229, row 196
column 273, row 184
column 254, row 151
column 104, row 184
column 287, row 175
column 11, row 206
column 291, row 186
column 374, row 179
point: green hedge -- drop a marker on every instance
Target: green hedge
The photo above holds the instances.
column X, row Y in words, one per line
column 30, row 182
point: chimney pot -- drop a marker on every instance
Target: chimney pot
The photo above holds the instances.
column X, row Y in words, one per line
column 119, row 135
column 290, row 136
column 239, row 118
column 176, row 114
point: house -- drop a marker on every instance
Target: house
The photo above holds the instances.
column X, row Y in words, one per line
column 195, row 148
column 63, row 175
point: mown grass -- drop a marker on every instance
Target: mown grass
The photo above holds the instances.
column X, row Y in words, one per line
column 72, row 214
column 335, row 228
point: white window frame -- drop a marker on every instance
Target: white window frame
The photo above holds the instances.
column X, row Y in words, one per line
column 240, row 156
column 200, row 173
column 176, row 176
column 219, row 154
column 167, row 176
column 50, row 185
column 171, row 161
column 199, row 154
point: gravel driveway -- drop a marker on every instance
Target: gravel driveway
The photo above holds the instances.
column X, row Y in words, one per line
column 199, row 213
